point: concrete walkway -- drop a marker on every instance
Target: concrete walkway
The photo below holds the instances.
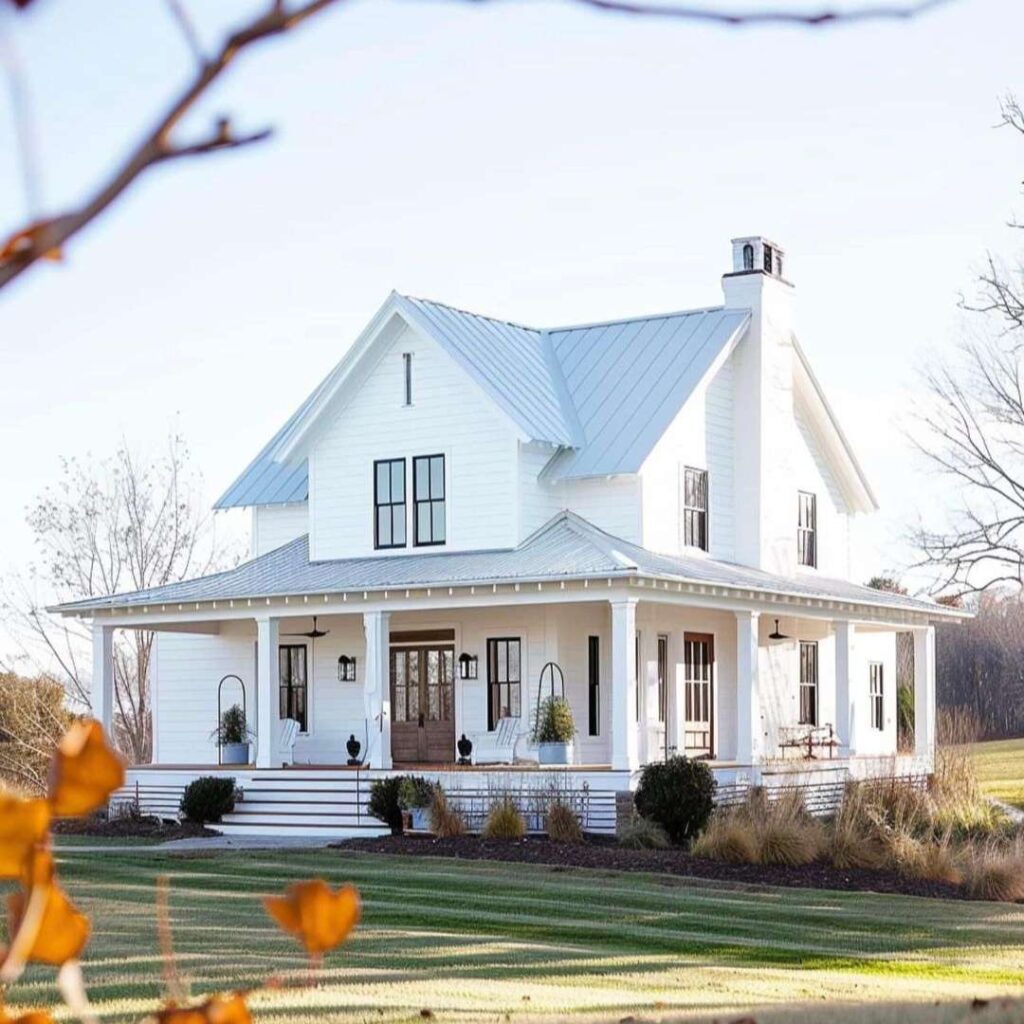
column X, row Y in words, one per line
column 200, row 843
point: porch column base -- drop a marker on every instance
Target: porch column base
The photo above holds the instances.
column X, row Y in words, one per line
column 377, row 688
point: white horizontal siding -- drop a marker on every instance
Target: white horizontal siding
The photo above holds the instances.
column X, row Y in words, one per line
column 276, row 525
column 450, row 415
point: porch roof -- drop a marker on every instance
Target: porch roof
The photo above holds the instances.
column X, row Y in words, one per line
column 565, row 548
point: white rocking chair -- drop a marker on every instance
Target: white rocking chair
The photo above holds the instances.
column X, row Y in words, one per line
column 499, row 746
column 284, row 740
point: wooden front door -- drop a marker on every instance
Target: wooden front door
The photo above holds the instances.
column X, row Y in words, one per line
column 698, row 694
column 423, row 703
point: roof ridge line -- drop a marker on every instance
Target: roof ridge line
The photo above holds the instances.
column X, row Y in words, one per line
column 470, row 312
column 721, row 307
column 599, row 538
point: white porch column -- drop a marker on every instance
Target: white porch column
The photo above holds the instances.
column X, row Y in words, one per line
column 748, row 689
column 101, row 692
column 846, row 701
column 268, row 681
column 924, row 691
column 377, row 687
column 624, row 727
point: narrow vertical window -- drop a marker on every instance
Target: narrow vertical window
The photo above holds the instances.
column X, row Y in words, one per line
column 662, row 677
column 808, row 682
column 875, row 696
column 748, row 257
column 768, row 259
column 638, row 664
column 291, row 659
column 695, row 508
column 407, row 371
column 389, row 503
column 807, row 529
column 504, row 677
column 428, row 500
column 594, row 685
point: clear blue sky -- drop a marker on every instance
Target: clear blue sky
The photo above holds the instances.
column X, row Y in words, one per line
column 529, row 160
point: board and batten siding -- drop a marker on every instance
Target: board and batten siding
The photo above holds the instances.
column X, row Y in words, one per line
column 276, row 525
column 700, row 437
column 449, row 415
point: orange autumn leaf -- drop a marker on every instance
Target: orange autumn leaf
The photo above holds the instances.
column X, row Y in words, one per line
column 316, row 915
column 63, row 931
column 23, row 826
column 29, row 1017
column 85, row 771
column 216, row 1010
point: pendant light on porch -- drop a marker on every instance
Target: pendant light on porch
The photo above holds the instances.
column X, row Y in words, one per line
column 775, row 634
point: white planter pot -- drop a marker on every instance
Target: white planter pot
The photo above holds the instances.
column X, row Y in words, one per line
column 555, row 753
column 234, row 753
column 420, row 819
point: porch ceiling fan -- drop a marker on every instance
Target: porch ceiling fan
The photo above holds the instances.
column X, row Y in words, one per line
column 313, row 634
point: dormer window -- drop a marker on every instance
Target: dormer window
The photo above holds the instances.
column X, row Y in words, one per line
column 748, row 257
column 407, row 376
column 768, row 254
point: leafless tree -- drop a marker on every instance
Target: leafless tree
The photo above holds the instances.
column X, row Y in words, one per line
column 971, row 428
column 125, row 523
column 45, row 237
column 33, row 717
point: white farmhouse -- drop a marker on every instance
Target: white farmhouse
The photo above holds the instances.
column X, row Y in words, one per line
column 661, row 509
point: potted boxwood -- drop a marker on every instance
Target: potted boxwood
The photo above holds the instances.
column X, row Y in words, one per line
column 233, row 736
column 415, row 795
column 555, row 731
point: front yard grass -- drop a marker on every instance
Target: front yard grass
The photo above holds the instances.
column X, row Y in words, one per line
column 1000, row 765
column 482, row 940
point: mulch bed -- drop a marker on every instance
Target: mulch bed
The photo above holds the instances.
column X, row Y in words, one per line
column 604, row 853
column 125, row 828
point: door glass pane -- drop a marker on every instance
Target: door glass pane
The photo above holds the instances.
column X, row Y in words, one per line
column 400, row 698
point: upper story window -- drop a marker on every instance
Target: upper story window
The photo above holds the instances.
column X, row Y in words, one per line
column 807, row 529
column 389, row 504
column 407, row 377
column 428, row 500
column 695, row 508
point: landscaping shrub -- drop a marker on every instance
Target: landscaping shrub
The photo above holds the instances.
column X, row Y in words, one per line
column 937, row 861
column 562, row 825
column 385, row 802
column 994, row 871
column 679, row 794
column 415, row 791
column 854, row 841
column 726, row 839
column 445, row 821
column 504, row 820
column 208, row 798
column 640, row 833
column 555, row 723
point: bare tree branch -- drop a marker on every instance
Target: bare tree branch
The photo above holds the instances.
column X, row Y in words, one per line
column 45, row 239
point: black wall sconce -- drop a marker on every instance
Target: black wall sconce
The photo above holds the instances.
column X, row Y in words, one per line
column 346, row 669
column 467, row 666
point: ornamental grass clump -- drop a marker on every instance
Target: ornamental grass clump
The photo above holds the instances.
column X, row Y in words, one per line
column 640, row 833
column 562, row 825
column 726, row 839
column 446, row 821
column 994, row 870
column 504, row 820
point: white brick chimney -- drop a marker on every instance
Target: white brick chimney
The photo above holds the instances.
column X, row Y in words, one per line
column 763, row 407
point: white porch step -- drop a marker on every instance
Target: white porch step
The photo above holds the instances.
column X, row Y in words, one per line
column 276, row 828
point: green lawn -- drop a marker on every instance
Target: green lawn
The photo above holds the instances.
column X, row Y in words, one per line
column 1001, row 769
column 479, row 941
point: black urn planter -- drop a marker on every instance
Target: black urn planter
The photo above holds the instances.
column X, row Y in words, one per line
column 465, row 748
column 353, row 746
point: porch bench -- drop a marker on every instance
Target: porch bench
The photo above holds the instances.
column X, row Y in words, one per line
column 809, row 739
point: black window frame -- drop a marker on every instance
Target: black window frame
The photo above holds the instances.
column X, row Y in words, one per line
column 431, row 500
column 288, row 690
column 662, row 677
column 593, row 686
column 876, row 694
column 495, row 683
column 695, row 516
column 807, row 529
column 809, row 708
column 391, row 505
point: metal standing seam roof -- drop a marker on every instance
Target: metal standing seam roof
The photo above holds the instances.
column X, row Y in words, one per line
column 566, row 547
column 603, row 393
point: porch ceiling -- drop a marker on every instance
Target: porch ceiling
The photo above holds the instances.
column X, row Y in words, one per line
column 568, row 553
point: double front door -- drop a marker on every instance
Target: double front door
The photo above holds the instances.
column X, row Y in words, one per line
column 422, row 700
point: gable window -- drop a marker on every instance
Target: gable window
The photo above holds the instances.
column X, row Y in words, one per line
column 875, row 698
column 695, row 508
column 594, row 686
column 389, row 503
column 407, row 372
column 291, row 660
column 807, row 529
column 808, row 682
column 504, row 676
column 428, row 500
